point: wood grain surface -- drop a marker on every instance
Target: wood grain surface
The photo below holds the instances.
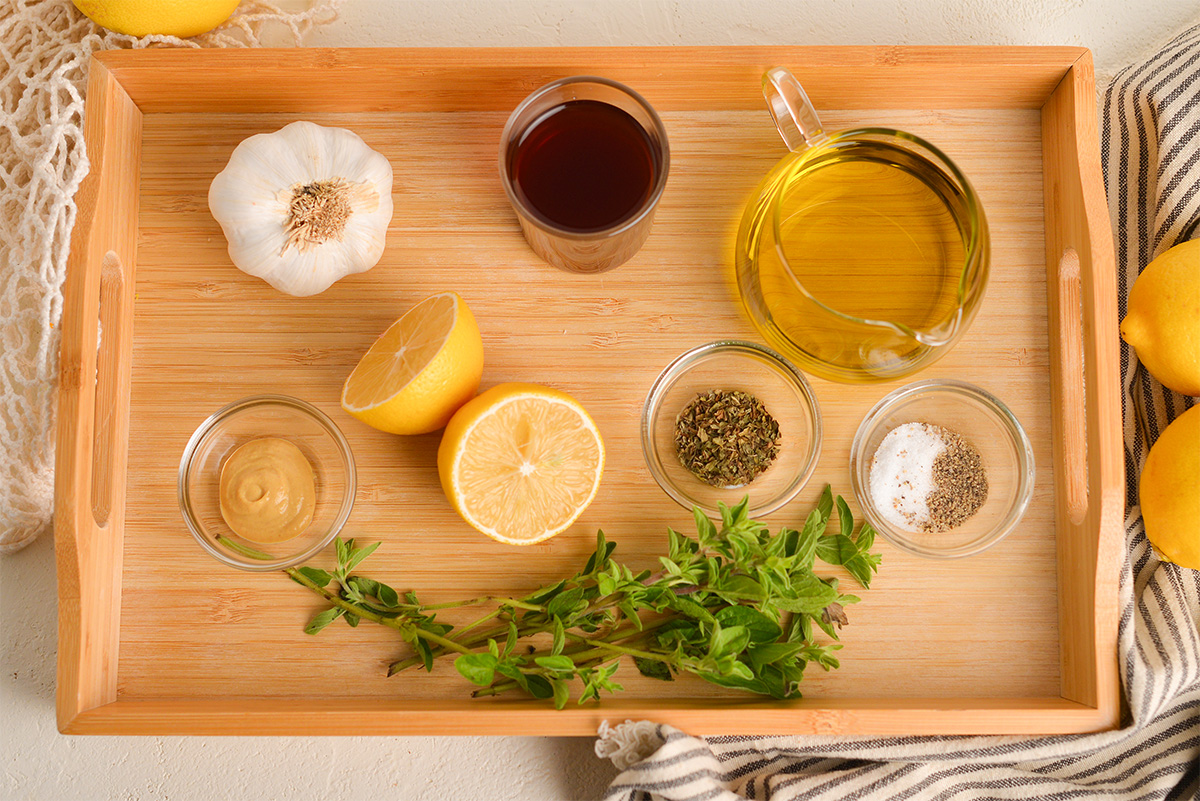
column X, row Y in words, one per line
column 968, row 645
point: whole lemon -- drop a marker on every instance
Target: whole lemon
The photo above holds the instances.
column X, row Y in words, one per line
column 1170, row 491
column 182, row 18
column 1162, row 320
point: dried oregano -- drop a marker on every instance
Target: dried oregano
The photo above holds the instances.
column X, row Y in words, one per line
column 726, row 438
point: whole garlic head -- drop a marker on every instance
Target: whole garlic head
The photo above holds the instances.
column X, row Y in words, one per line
column 304, row 206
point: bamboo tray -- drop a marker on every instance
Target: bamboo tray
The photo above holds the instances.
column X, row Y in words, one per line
column 156, row 637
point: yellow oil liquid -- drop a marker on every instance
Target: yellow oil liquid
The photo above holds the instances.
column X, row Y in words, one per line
column 848, row 252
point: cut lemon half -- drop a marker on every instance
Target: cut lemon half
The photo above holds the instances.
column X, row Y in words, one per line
column 420, row 371
column 521, row 462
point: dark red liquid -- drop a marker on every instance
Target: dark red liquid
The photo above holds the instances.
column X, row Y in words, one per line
column 584, row 166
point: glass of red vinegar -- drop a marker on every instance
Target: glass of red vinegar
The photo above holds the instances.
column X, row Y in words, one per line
column 584, row 161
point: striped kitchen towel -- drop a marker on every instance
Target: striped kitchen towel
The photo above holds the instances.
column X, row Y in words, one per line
column 1150, row 142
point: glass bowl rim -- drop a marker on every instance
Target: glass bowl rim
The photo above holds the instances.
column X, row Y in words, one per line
column 1026, row 468
column 679, row 366
column 224, row 413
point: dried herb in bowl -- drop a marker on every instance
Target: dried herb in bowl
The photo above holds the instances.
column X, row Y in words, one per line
column 726, row 438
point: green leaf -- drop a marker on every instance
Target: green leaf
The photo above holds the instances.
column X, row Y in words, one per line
column 734, row 517
column 477, row 668
column 728, row 641
column 359, row 554
column 743, row 586
column 839, row 549
column 316, row 575
column 866, row 537
column 343, row 551
column 809, row 595
column 540, row 687
column 836, row 549
column 557, row 663
column 599, row 558
column 670, row 567
column 563, row 604
column 862, row 566
column 493, row 649
column 704, row 527
column 606, row 584
column 562, row 693
column 541, row 596
column 352, row 619
column 753, row 685
column 653, row 669
column 560, row 638
column 686, row 606
column 425, row 652
column 845, row 519
column 510, row 669
column 510, row 642
column 741, row 670
column 386, row 595
column 760, row 627
column 761, row 655
column 825, row 504
column 362, row 585
column 322, row 619
column 677, row 549
column 630, row 611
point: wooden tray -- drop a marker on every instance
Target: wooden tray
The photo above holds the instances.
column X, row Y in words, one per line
column 156, row 637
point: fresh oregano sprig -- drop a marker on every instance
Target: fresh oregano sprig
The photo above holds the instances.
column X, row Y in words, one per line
column 735, row 606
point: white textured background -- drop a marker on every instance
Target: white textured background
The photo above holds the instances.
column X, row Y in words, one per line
column 40, row 764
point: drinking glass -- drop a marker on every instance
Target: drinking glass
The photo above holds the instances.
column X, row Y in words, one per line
column 590, row 251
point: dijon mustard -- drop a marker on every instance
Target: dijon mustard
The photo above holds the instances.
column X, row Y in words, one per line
column 267, row 490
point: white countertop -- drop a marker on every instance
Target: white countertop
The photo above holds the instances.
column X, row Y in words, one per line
column 40, row 764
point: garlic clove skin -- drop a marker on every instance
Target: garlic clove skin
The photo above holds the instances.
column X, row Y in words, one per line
column 255, row 199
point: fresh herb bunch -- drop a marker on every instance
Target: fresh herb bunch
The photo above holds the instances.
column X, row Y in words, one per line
column 735, row 606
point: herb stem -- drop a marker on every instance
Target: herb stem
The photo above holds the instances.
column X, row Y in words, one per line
column 487, row 599
column 506, row 686
column 346, row 606
column 620, row 649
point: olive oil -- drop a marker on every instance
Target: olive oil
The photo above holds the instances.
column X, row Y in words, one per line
column 858, row 255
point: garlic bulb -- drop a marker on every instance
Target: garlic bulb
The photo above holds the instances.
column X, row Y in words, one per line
column 304, row 206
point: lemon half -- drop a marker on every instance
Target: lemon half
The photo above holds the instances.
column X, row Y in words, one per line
column 521, row 462
column 420, row 371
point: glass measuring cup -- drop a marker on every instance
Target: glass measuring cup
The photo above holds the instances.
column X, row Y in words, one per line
column 863, row 254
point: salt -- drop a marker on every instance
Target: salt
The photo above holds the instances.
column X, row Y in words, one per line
column 901, row 476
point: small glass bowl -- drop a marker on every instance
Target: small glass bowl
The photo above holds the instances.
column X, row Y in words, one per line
column 753, row 369
column 251, row 418
column 977, row 417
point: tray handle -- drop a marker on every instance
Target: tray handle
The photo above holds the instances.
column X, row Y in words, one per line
column 1072, row 380
column 1085, row 394
column 110, row 367
column 93, row 401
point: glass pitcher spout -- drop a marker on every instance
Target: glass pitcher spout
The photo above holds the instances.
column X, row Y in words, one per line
column 942, row 334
